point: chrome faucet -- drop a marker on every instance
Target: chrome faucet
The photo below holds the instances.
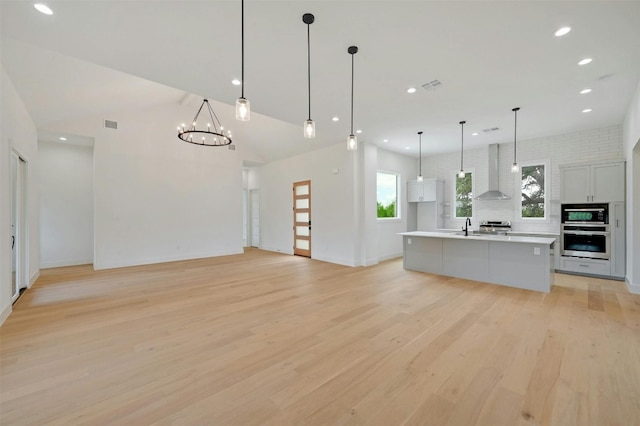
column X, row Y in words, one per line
column 465, row 228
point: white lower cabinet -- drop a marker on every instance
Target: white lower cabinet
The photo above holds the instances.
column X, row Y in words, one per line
column 585, row 266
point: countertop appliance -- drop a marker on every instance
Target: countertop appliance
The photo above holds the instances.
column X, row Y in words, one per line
column 495, row 227
column 585, row 231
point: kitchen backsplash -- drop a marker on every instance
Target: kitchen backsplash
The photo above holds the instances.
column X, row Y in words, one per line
column 587, row 146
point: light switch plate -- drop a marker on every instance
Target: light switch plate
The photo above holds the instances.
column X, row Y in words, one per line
column 536, row 251
column 408, row 240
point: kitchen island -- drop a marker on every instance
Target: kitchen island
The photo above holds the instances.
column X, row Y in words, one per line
column 514, row 261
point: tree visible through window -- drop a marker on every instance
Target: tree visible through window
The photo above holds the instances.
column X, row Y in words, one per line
column 533, row 191
column 387, row 194
column 464, row 196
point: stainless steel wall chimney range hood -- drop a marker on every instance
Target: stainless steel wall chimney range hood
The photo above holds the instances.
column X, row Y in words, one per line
column 493, row 193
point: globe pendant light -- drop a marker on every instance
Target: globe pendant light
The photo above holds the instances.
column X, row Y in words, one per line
column 243, row 106
column 420, row 157
column 514, row 166
column 309, row 125
column 352, row 141
column 461, row 174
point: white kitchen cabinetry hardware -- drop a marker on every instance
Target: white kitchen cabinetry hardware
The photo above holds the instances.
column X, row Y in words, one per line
column 426, row 191
column 592, row 183
column 617, row 227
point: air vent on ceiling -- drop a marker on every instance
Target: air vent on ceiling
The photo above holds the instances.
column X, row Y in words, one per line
column 491, row 129
column 432, row 85
column 232, row 147
column 110, row 124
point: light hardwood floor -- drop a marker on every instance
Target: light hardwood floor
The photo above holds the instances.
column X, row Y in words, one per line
column 270, row 339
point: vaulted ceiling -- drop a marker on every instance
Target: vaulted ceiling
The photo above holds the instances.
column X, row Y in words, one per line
column 90, row 57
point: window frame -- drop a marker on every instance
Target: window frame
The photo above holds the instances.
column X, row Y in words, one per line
column 398, row 211
column 547, row 187
column 454, row 193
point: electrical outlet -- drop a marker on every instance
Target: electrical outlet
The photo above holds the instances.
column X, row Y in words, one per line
column 536, row 251
column 408, row 240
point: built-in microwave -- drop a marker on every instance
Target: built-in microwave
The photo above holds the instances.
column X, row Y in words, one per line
column 597, row 214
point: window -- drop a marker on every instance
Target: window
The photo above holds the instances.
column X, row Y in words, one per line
column 533, row 203
column 387, row 190
column 463, row 196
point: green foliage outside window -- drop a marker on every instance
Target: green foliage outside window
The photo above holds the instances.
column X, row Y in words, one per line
column 532, row 178
column 464, row 196
column 388, row 210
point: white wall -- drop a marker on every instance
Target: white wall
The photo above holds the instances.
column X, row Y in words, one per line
column 592, row 145
column 66, row 204
column 631, row 143
column 334, row 233
column 158, row 199
column 16, row 132
column 389, row 244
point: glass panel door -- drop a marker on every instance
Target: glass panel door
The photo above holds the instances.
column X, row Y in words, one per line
column 302, row 218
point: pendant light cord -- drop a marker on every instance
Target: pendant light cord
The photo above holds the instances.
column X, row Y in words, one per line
column 420, row 153
column 462, row 143
column 515, row 127
column 309, row 67
column 242, row 38
column 352, row 93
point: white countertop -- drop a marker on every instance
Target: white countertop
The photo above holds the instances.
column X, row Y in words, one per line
column 501, row 238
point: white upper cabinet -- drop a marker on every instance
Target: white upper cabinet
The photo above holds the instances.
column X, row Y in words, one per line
column 592, row 183
column 427, row 190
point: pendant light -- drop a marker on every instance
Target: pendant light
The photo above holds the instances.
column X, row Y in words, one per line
column 213, row 136
column 352, row 141
column 420, row 157
column 309, row 125
column 461, row 174
column 243, row 106
column 514, row 166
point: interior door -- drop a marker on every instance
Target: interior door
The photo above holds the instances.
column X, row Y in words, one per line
column 302, row 218
column 18, row 222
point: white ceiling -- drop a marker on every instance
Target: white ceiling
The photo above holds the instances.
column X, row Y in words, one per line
column 91, row 57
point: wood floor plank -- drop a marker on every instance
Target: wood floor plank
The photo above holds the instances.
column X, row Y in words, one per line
column 264, row 338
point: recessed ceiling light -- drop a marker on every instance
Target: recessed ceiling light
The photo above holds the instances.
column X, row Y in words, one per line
column 358, row 131
column 335, row 119
column 474, row 134
column 411, row 90
column 582, row 92
column 562, row 31
column 236, row 82
column 586, row 110
column 406, row 147
column 585, row 61
column 62, row 138
column 43, row 8
column 385, row 140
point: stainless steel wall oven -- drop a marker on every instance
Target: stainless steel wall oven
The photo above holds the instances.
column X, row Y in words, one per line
column 585, row 231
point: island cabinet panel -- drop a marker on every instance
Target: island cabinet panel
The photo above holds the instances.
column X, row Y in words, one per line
column 423, row 254
column 525, row 266
column 467, row 259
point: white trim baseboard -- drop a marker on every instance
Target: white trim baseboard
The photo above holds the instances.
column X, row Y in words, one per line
column 5, row 313
column 634, row 289
column 61, row 263
column 389, row 256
